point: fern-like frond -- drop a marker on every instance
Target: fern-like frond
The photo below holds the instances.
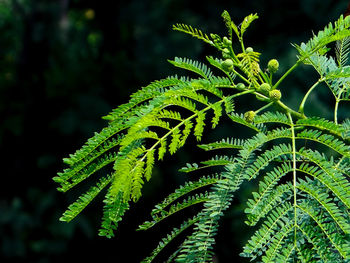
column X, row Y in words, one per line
column 215, row 161
column 266, row 187
column 330, row 177
column 324, row 178
column 320, row 246
column 228, row 143
column 166, row 240
column 113, row 210
column 218, row 64
column 84, row 162
column 286, row 255
column 239, row 118
column 267, row 230
column 330, row 33
column 69, row 180
column 280, row 194
column 161, row 214
column 272, row 117
column 278, row 243
column 187, row 188
column 75, row 208
column 249, row 63
column 192, row 65
column 197, row 33
column 199, row 245
column 346, row 129
column 146, row 93
column 325, row 139
column 228, row 22
column 321, row 124
column 328, row 228
column 264, row 159
column 336, row 78
column 342, row 49
column 247, row 21
column 325, row 202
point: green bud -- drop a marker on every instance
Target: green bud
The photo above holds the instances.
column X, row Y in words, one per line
column 226, row 53
column 265, row 88
column 249, row 116
column 240, row 86
column 273, row 65
column 249, row 49
column 226, row 41
column 227, row 64
column 275, row 95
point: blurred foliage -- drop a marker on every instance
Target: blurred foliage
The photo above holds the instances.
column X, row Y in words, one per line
column 64, row 64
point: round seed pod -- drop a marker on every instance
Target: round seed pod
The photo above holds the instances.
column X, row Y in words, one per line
column 275, row 95
column 249, row 116
column 227, row 64
column 273, row 65
column 249, row 49
column 240, row 86
column 265, row 88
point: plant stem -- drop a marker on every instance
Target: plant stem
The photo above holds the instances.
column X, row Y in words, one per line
column 337, row 100
column 265, row 77
column 264, row 107
column 336, row 111
column 289, row 110
column 233, row 55
column 240, row 76
column 271, row 78
column 286, row 74
column 301, row 107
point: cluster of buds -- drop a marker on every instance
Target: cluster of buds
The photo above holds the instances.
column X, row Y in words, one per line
column 227, row 43
column 240, row 86
column 226, row 53
column 275, row 95
column 249, row 49
column 273, row 66
column 249, row 116
column 265, row 88
column 227, row 64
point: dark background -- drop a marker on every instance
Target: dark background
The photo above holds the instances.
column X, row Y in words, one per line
column 64, row 64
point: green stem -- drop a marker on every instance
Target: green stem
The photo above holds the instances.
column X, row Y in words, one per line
column 260, row 78
column 336, row 111
column 289, row 110
column 286, row 74
column 240, row 76
column 337, row 100
column 233, row 55
column 301, row 107
column 264, row 107
column 242, row 45
column 265, row 77
column 294, row 178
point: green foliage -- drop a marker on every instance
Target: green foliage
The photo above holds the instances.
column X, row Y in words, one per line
column 301, row 206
